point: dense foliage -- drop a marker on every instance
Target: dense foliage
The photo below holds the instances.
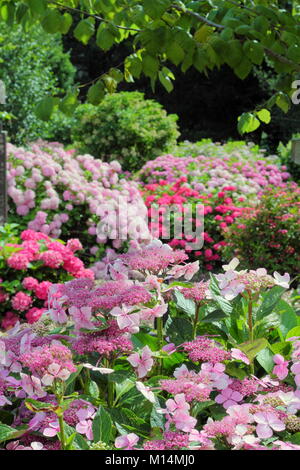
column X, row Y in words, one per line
column 202, row 34
column 33, row 64
column 269, row 233
column 124, row 127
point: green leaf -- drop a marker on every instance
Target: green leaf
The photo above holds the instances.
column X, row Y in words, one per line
column 84, row 30
column 265, row 359
column 105, row 38
column 175, row 53
column 216, row 315
column 157, row 420
column 69, row 103
column 295, row 438
column 93, row 389
column 73, row 376
column 96, row 93
column 243, row 69
column 165, row 81
column 187, row 305
column 293, row 53
column 283, row 101
column 65, row 23
column 155, row 8
column 288, row 318
column 7, row 432
column 269, row 302
column 179, row 330
column 251, row 349
column 224, row 304
column 247, row 122
column 235, row 371
column 37, row 6
column 293, row 332
column 150, row 66
column 200, row 406
column 102, row 426
column 52, row 21
column 261, row 24
column 254, row 51
column 77, row 440
column 264, row 115
column 45, row 108
column 234, row 53
column 38, row 406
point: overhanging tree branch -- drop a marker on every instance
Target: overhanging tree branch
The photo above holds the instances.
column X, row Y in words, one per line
column 92, row 15
column 197, row 16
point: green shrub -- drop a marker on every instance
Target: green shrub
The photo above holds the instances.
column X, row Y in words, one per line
column 125, row 127
column 268, row 235
column 33, row 64
column 285, row 154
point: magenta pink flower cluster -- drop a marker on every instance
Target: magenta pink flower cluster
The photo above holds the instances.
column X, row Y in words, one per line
column 27, row 263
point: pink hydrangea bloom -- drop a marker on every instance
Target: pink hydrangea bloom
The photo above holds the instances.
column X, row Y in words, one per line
column 281, row 368
column 127, row 441
column 228, row 397
column 267, row 422
column 142, row 362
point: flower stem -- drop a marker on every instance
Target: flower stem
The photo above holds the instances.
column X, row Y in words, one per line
column 62, row 431
column 110, row 394
column 160, row 338
column 196, row 319
column 250, row 326
column 250, row 321
column 110, row 385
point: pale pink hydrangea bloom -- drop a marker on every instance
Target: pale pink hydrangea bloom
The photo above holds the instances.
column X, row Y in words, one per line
column 127, row 441
column 142, row 362
column 267, row 422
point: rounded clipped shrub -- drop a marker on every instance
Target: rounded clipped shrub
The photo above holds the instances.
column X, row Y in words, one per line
column 268, row 235
column 125, row 127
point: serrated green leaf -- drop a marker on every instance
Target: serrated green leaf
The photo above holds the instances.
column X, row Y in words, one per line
column 270, row 299
column 156, row 8
column 105, row 38
column 52, row 21
column 251, row 349
column 84, row 30
column 187, row 305
column 102, row 426
column 7, row 432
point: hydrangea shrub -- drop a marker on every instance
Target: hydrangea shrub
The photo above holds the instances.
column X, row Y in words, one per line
column 159, row 363
column 226, row 185
column 29, row 265
column 270, row 233
column 58, row 193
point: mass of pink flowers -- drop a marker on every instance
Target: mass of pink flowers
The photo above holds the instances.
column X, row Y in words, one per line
column 26, row 262
column 227, row 185
column 137, row 348
column 61, row 194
